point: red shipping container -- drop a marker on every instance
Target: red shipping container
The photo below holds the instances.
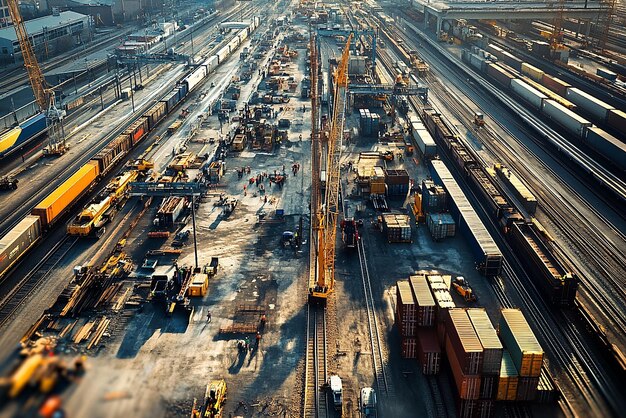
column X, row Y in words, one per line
column 464, row 341
column 468, row 386
column 441, row 335
column 409, row 348
column 428, row 351
column 406, row 318
column 424, row 301
column 555, row 84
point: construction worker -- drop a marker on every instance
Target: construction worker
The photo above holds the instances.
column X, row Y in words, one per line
column 208, row 317
column 258, row 339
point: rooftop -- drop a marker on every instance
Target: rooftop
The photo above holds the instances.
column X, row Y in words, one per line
column 36, row 25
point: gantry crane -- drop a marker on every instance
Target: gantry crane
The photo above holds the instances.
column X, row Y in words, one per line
column 325, row 224
column 44, row 94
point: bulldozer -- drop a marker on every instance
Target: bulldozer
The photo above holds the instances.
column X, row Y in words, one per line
column 462, row 288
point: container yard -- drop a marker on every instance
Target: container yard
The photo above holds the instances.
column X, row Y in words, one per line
column 313, row 209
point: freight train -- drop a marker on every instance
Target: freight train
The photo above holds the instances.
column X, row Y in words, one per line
column 556, row 100
column 21, row 238
column 531, row 245
column 22, row 134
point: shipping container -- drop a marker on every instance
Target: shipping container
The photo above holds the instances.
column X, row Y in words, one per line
column 467, row 385
column 57, row 202
column 425, row 303
column 487, row 254
column 397, row 182
column 555, row 84
column 409, row 347
column 589, row 104
column 520, row 341
column 500, row 75
column 532, row 72
column 406, row 312
column 608, row 146
column 490, row 194
column 171, row 100
column 223, row 53
column 488, row 386
column 464, row 341
column 19, row 135
column 485, row 408
column 507, row 384
column 17, row 241
column 608, row 74
column 571, row 121
column 547, row 92
column 617, row 121
column 428, row 351
column 492, row 347
column 155, row 114
column 546, row 391
column 112, row 153
column 170, row 210
column 138, row 130
column 195, row 77
column 519, row 189
column 556, row 284
column 533, row 96
column 433, row 197
column 397, row 227
column 527, row 388
column 182, row 91
column 211, row 63
column 440, row 225
column 425, row 142
column 466, row 408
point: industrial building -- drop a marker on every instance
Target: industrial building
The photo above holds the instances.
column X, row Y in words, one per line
column 49, row 35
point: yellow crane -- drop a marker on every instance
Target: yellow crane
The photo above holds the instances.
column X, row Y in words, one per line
column 44, row 94
column 326, row 216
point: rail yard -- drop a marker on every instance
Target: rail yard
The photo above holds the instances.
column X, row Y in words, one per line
column 314, row 209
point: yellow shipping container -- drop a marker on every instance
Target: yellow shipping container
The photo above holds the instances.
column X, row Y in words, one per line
column 64, row 195
column 532, row 72
column 199, row 285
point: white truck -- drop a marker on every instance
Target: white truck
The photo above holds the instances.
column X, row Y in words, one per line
column 337, row 391
column 367, row 403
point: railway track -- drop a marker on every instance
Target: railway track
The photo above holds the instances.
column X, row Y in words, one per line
column 43, row 269
column 315, row 404
column 381, row 374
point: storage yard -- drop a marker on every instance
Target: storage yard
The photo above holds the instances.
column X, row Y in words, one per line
column 317, row 209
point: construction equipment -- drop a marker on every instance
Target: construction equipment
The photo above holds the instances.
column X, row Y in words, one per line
column 367, row 403
column 214, row 399
column 44, row 94
column 479, row 119
column 8, row 183
column 387, row 156
column 326, row 223
column 462, row 288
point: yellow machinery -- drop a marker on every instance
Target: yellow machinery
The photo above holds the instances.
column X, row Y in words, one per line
column 214, row 399
column 462, row 288
column 44, row 95
column 98, row 212
column 325, row 224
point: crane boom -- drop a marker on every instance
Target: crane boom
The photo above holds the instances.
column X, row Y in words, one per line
column 330, row 213
column 37, row 80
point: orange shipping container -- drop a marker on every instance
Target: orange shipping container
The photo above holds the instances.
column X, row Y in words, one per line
column 63, row 196
column 468, row 386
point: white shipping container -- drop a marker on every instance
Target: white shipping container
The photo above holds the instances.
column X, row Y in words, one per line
column 533, row 96
column 607, row 145
column 211, row 64
column 195, row 77
column 425, row 142
column 593, row 106
column 574, row 123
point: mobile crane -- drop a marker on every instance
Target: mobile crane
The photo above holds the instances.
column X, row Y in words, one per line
column 44, row 94
column 325, row 216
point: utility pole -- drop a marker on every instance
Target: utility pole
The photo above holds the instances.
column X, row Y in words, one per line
column 132, row 93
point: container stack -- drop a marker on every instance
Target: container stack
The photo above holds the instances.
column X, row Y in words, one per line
column 441, row 225
column 440, row 288
column 369, row 122
column 406, row 319
column 397, row 182
column 526, row 353
column 433, row 197
column 428, row 349
column 492, row 360
column 170, row 210
column 397, row 227
column 507, row 383
column 465, row 356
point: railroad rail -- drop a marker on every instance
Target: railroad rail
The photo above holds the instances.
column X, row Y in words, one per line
column 21, row 291
column 315, row 404
column 381, row 374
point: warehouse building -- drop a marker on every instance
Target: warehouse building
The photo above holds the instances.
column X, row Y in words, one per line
column 101, row 11
column 50, row 35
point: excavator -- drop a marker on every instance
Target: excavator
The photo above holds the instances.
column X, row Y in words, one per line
column 325, row 216
column 44, row 94
column 214, row 399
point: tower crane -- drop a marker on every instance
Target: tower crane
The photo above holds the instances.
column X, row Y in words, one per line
column 44, row 94
column 326, row 216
